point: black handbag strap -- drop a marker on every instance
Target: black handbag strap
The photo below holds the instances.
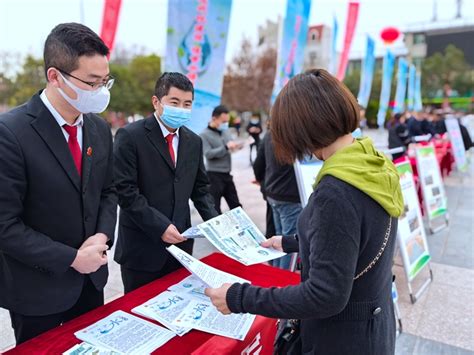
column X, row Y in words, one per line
column 379, row 254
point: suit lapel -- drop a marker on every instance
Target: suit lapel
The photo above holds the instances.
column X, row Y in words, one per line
column 156, row 138
column 49, row 130
column 183, row 148
column 89, row 139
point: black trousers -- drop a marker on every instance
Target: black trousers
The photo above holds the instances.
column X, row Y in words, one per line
column 222, row 185
column 133, row 279
column 28, row 327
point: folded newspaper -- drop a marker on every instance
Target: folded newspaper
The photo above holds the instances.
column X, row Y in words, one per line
column 207, row 274
column 236, row 236
column 124, row 333
column 184, row 307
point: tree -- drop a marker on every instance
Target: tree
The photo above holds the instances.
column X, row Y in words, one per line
column 248, row 83
column 29, row 81
column 145, row 71
column 134, row 85
column 448, row 68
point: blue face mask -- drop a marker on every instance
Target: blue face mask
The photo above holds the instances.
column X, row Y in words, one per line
column 175, row 117
column 223, row 127
column 357, row 133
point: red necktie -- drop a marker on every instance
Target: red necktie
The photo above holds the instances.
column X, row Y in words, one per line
column 169, row 140
column 74, row 147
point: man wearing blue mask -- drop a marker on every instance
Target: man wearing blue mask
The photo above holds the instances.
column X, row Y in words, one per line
column 57, row 198
column 158, row 168
column 218, row 146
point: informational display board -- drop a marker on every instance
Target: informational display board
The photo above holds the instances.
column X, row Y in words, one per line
column 452, row 125
column 432, row 186
column 411, row 232
column 306, row 172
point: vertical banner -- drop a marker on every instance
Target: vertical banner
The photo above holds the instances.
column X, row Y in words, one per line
column 335, row 30
column 110, row 19
column 418, row 104
column 387, row 72
column 400, row 94
column 411, row 232
column 196, row 44
column 293, row 42
column 459, row 152
column 367, row 74
column 411, row 87
column 351, row 23
column 431, row 182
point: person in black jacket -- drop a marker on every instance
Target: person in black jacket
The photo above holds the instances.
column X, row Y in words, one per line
column 159, row 166
column 281, row 190
column 346, row 233
column 58, row 202
column 254, row 129
column 398, row 134
column 259, row 172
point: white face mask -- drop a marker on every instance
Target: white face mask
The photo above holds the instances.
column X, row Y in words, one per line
column 87, row 101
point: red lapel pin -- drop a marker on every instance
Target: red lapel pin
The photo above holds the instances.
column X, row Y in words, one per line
column 89, row 152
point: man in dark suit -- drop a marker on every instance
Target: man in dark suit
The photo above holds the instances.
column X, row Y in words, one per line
column 57, row 199
column 158, row 168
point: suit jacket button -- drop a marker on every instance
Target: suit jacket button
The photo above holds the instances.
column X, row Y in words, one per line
column 176, row 180
column 377, row 311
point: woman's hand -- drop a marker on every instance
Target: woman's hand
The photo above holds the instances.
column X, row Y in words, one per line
column 218, row 297
column 274, row 242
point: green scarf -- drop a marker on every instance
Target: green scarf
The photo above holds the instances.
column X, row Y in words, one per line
column 368, row 170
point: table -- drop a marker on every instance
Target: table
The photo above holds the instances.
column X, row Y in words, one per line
column 260, row 337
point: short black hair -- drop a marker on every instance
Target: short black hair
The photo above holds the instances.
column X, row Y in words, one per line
column 69, row 41
column 219, row 110
column 172, row 79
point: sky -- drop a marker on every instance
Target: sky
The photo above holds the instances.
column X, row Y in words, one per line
column 25, row 24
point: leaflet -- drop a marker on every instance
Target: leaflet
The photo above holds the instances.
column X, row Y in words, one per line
column 210, row 276
column 193, row 233
column 235, row 235
column 85, row 348
column 126, row 334
column 164, row 308
column 204, row 316
column 191, row 285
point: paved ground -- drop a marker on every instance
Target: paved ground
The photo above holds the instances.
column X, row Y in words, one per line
column 440, row 322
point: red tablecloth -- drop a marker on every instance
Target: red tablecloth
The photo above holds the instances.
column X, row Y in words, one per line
column 262, row 332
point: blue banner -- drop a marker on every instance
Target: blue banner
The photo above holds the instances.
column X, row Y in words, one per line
column 196, row 44
column 333, row 63
column 293, row 42
column 387, row 72
column 367, row 74
column 411, row 87
column 418, row 104
column 400, row 94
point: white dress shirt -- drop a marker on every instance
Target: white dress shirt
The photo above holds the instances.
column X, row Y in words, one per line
column 61, row 121
column 165, row 132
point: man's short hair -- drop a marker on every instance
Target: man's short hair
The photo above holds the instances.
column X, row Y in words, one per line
column 172, row 79
column 219, row 110
column 69, row 41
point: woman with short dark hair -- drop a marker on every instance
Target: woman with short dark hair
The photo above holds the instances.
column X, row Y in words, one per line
column 346, row 233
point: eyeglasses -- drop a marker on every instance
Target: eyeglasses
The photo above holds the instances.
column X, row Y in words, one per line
column 95, row 85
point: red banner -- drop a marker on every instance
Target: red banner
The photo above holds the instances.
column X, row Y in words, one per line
column 110, row 22
column 351, row 22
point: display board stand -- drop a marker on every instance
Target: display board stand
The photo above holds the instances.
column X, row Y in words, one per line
column 413, row 245
column 432, row 187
